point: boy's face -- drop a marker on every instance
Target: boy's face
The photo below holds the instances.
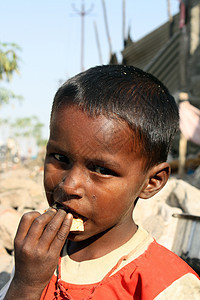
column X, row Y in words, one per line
column 91, row 168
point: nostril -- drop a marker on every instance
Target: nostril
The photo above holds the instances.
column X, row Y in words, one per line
column 69, row 197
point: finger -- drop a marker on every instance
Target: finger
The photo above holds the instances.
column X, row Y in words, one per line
column 52, row 229
column 38, row 226
column 25, row 224
column 62, row 234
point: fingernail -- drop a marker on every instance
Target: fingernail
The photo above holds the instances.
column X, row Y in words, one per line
column 50, row 209
column 69, row 216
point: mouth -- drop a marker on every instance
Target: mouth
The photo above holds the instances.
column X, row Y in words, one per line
column 58, row 206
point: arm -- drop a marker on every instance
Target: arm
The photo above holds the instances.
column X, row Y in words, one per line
column 38, row 243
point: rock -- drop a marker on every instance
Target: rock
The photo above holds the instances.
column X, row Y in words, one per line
column 21, row 200
column 9, row 220
column 155, row 214
column 184, row 196
column 195, row 178
column 19, row 191
column 17, row 199
column 156, row 217
column 180, row 194
column 17, row 183
column 20, row 179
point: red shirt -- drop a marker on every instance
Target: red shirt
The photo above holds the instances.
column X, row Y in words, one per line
column 143, row 278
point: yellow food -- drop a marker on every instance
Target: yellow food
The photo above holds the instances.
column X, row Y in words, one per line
column 77, row 225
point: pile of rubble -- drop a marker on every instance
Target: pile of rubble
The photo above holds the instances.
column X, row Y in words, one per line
column 21, row 190
column 177, row 196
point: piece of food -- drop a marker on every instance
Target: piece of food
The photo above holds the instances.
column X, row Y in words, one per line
column 77, row 225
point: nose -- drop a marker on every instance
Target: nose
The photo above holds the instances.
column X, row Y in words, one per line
column 73, row 182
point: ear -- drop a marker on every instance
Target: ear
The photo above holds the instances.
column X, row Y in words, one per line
column 157, row 178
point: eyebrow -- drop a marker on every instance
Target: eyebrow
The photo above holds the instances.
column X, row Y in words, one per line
column 51, row 144
column 56, row 149
column 104, row 162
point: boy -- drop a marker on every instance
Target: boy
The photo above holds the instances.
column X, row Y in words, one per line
column 110, row 132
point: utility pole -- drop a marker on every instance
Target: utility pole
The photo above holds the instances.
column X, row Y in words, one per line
column 82, row 13
column 169, row 10
column 183, row 75
column 98, row 43
column 124, row 21
column 107, row 29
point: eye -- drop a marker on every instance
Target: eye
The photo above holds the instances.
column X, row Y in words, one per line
column 61, row 158
column 102, row 170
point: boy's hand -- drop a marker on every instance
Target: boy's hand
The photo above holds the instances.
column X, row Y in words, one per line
column 38, row 243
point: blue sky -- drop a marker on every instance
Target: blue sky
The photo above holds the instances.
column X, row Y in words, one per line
column 49, row 33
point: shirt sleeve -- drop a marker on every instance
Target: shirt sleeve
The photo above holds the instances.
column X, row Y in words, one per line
column 4, row 290
column 185, row 288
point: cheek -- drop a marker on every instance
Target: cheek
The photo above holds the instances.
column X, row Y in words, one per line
column 110, row 200
column 52, row 177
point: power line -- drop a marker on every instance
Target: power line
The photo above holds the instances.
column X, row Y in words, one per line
column 82, row 13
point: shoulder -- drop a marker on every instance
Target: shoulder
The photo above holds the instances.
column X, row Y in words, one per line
column 158, row 271
column 162, row 263
column 162, row 259
column 184, row 288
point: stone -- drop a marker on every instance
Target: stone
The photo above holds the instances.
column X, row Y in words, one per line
column 19, row 190
column 17, row 199
column 156, row 214
column 184, row 196
column 9, row 220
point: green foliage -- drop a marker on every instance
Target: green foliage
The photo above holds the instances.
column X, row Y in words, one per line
column 8, row 60
column 6, row 95
column 29, row 127
column 25, row 127
column 8, row 65
column 4, row 122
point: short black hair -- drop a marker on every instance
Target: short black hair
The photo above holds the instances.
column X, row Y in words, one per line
column 129, row 94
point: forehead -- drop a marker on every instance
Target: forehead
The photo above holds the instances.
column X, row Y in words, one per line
column 71, row 125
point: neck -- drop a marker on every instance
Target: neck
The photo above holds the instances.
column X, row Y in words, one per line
column 101, row 244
